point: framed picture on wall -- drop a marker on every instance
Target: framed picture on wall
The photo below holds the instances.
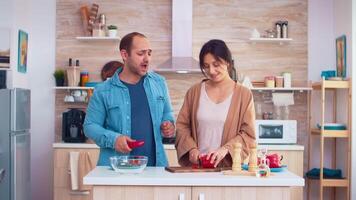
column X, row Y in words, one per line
column 341, row 56
column 22, row 52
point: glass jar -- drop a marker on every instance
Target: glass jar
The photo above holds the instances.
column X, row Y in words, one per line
column 269, row 81
column 84, row 78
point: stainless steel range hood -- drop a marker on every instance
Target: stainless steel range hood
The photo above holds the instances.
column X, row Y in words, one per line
column 181, row 60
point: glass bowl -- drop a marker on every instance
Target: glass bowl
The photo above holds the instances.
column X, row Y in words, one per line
column 128, row 164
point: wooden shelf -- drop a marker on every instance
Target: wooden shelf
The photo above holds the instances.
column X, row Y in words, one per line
column 324, row 85
column 271, row 40
column 88, row 39
column 332, row 182
column 5, row 69
column 73, row 88
column 281, row 89
column 331, row 85
column 331, row 133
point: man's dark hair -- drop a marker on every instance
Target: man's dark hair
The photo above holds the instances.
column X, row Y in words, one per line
column 126, row 41
column 220, row 52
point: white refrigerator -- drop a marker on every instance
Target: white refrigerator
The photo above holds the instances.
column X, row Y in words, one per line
column 15, row 120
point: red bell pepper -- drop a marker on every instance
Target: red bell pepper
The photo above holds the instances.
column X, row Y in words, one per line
column 205, row 162
column 135, row 144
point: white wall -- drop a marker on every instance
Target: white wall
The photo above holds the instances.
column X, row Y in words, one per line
column 321, row 56
column 20, row 20
column 42, row 63
column 321, row 40
column 328, row 19
column 37, row 18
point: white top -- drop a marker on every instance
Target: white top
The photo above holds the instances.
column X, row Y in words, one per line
column 155, row 176
column 211, row 118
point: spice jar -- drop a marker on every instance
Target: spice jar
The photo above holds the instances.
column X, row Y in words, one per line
column 265, row 115
column 269, row 81
column 279, row 81
column 84, row 78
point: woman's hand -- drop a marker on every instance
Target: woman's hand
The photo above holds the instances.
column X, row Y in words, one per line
column 217, row 155
column 194, row 156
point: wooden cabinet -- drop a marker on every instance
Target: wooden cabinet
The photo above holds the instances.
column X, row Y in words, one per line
column 62, row 185
column 189, row 193
column 292, row 158
column 142, row 192
column 240, row 193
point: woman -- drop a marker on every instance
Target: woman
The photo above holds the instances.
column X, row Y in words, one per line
column 216, row 113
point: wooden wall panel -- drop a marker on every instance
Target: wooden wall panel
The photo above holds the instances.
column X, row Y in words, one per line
column 233, row 22
column 230, row 20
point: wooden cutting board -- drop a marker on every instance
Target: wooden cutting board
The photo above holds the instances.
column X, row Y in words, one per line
column 190, row 169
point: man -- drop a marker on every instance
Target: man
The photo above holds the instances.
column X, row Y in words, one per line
column 133, row 105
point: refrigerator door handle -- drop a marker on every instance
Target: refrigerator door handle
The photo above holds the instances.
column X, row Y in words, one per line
column 2, row 174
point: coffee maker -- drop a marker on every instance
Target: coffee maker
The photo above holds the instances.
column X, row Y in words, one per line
column 72, row 126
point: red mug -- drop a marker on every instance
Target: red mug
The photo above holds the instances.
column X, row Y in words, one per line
column 274, row 160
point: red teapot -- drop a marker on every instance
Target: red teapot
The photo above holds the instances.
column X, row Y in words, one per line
column 273, row 160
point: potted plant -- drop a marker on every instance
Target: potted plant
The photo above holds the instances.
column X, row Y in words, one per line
column 112, row 31
column 59, row 76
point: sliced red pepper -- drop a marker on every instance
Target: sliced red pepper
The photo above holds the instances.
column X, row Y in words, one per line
column 135, row 144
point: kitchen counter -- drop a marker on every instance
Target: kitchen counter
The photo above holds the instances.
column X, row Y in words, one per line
column 171, row 146
column 157, row 184
column 158, row 176
column 91, row 146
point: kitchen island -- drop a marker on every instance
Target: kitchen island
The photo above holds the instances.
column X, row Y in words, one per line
column 155, row 183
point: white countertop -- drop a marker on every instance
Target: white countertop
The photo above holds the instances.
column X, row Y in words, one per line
column 171, row 146
column 157, row 176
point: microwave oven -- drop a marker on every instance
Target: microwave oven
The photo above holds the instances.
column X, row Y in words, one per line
column 276, row 131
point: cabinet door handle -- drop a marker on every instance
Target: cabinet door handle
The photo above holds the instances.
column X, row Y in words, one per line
column 181, row 196
column 201, row 196
column 2, row 174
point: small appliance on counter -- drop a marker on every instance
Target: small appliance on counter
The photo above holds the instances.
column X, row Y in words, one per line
column 72, row 126
column 276, row 131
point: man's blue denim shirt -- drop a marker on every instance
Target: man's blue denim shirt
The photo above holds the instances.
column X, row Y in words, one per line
column 109, row 114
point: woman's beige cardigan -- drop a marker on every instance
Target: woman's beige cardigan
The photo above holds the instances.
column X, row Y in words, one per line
column 239, row 125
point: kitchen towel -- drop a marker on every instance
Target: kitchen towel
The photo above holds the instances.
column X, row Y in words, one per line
column 80, row 164
column 73, row 168
column 85, row 165
column 283, row 99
